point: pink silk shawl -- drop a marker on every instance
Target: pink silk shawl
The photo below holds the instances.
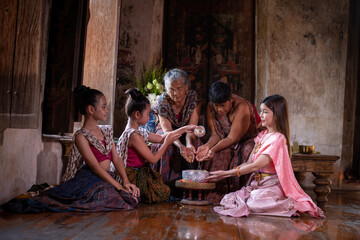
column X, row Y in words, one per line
column 275, row 146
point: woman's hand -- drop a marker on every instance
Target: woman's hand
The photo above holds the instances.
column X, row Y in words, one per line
column 190, row 128
column 191, row 152
column 187, row 153
column 217, row 176
column 135, row 191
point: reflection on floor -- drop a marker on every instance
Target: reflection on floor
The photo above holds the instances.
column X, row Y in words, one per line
column 176, row 221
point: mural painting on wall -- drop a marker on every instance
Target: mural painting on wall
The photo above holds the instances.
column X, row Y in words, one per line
column 212, row 40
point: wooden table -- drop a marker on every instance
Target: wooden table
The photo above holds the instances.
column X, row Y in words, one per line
column 321, row 166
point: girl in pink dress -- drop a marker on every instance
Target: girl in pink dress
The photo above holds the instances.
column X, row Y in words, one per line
column 272, row 188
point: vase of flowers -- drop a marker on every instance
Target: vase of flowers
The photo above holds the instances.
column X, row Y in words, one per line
column 151, row 84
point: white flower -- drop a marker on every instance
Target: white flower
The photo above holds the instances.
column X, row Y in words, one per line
column 152, row 98
column 149, row 86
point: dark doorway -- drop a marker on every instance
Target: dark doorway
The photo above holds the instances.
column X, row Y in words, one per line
column 351, row 129
column 65, row 59
column 212, row 40
column 355, row 35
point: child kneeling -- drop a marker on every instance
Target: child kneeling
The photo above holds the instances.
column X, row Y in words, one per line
column 136, row 154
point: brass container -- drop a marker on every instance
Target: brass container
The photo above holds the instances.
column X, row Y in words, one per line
column 306, row 149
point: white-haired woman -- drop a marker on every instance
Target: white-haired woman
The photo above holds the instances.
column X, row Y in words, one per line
column 177, row 106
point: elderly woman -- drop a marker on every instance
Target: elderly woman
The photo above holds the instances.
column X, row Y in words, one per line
column 177, row 106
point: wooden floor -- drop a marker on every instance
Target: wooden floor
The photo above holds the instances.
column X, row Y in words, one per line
column 176, row 221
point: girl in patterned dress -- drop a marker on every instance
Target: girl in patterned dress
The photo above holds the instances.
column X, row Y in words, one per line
column 88, row 185
column 135, row 152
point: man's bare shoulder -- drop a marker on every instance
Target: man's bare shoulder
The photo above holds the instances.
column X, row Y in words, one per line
column 240, row 106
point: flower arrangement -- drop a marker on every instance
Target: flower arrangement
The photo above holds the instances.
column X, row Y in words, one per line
column 150, row 82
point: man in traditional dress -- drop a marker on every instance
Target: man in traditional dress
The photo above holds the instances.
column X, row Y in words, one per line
column 233, row 124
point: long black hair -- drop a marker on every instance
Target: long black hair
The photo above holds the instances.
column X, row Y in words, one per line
column 278, row 105
column 85, row 96
column 135, row 102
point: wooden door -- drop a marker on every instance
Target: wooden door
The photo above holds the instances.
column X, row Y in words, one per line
column 7, row 47
column 212, row 40
column 21, row 43
column 27, row 66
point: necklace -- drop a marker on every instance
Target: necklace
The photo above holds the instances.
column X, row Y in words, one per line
column 258, row 145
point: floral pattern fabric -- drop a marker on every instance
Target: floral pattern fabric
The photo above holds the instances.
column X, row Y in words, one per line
column 163, row 108
column 152, row 188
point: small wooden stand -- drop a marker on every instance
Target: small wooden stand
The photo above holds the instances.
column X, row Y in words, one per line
column 190, row 186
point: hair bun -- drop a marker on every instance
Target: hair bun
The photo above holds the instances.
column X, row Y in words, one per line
column 134, row 93
column 81, row 90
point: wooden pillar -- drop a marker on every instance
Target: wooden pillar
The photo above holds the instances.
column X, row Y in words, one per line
column 101, row 50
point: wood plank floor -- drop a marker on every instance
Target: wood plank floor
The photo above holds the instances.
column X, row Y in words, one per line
column 176, row 221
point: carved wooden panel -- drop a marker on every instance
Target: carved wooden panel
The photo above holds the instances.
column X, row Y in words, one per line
column 212, row 40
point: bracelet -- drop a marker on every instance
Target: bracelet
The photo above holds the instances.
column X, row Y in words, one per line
column 238, row 171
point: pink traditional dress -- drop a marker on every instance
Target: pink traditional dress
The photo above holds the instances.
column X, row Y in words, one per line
column 276, row 192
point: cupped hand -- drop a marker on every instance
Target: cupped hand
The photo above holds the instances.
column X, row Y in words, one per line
column 216, row 176
column 202, row 152
column 135, row 191
column 191, row 151
column 192, row 147
column 209, row 155
column 188, row 153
